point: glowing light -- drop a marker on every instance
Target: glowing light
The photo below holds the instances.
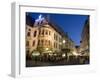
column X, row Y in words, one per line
column 47, row 49
column 74, row 53
column 63, row 55
column 55, row 54
column 50, row 54
column 64, row 41
column 50, row 51
column 36, row 54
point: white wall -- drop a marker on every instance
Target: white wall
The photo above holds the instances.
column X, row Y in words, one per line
column 5, row 42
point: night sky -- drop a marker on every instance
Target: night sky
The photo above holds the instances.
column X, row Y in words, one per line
column 70, row 23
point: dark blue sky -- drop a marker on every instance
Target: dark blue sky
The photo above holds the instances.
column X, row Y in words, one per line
column 70, row 23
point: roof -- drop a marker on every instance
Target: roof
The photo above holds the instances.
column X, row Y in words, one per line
column 57, row 28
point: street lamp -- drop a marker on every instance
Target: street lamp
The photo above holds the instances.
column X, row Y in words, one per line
column 47, row 49
column 64, row 55
column 64, row 41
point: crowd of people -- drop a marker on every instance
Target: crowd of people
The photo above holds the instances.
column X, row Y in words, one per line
column 58, row 59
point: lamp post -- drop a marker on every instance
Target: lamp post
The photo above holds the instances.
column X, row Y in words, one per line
column 64, row 41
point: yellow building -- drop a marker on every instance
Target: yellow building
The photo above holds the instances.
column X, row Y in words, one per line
column 44, row 36
column 31, row 38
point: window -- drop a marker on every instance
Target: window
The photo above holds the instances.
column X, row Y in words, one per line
column 54, row 36
column 46, row 42
column 27, row 43
column 49, row 42
column 34, row 43
column 59, row 39
column 35, row 33
column 46, row 32
column 38, row 42
column 55, row 45
column 42, row 42
column 42, row 32
column 39, row 32
column 28, row 34
column 49, row 32
column 29, row 29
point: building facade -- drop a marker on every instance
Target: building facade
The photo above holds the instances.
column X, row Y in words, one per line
column 45, row 37
column 84, row 46
column 78, row 49
column 68, row 44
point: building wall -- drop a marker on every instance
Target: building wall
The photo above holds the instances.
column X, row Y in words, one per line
column 31, row 38
column 78, row 49
column 44, row 37
column 68, row 43
column 85, row 38
column 57, row 41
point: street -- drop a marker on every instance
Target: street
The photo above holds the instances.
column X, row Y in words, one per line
column 71, row 61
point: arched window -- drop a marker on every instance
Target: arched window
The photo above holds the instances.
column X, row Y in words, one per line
column 49, row 42
column 38, row 42
column 27, row 43
column 45, row 42
column 35, row 32
column 42, row 42
column 28, row 34
column 39, row 31
column 46, row 32
column 43, row 32
column 33, row 42
column 29, row 29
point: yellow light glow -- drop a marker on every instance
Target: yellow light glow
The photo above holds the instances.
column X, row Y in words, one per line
column 63, row 55
column 64, row 41
column 47, row 49
column 74, row 53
